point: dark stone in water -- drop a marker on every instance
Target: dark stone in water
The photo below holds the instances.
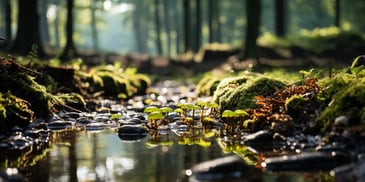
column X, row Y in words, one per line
column 95, row 126
column 59, row 125
column 83, row 120
column 135, row 121
column 226, row 168
column 351, row 172
column 306, row 162
column 132, row 132
column 259, row 138
column 11, row 175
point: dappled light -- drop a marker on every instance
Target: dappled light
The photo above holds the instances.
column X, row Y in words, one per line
column 182, row 90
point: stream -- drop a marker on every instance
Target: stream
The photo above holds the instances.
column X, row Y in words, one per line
column 89, row 147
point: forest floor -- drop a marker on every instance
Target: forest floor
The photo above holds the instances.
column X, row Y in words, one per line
column 220, row 61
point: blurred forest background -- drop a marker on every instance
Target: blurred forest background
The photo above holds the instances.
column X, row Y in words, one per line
column 67, row 28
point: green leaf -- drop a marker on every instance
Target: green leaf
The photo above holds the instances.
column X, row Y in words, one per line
column 155, row 115
column 165, row 109
column 241, row 113
column 229, row 114
column 151, row 109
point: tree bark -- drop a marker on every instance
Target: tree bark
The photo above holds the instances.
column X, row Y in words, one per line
column 28, row 35
column 280, row 17
column 70, row 50
column 158, row 28
column 337, row 13
column 7, row 22
column 198, row 26
column 94, row 32
column 187, row 26
column 253, row 10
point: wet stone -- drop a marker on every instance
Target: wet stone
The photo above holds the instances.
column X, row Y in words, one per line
column 83, row 120
column 95, row 126
column 11, row 175
column 132, row 132
column 351, row 172
column 135, row 121
column 224, row 168
column 59, row 125
column 311, row 161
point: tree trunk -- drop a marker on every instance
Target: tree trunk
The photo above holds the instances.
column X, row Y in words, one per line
column 166, row 10
column 213, row 21
column 56, row 29
column 337, row 13
column 280, row 17
column 137, row 27
column 210, row 21
column 28, row 35
column 187, row 26
column 198, row 25
column 44, row 29
column 94, row 32
column 7, row 22
column 253, row 10
column 70, row 50
column 158, row 28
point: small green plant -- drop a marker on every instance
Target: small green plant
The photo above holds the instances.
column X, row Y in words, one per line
column 230, row 120
column 154, row 119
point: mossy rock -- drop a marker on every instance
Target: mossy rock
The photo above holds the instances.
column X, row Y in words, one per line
column 227, row 86
column 14, row 111
column 207, row 85
column 25, row 87
column 241, row 96
column 113, row 84
column 348, row 101
column 296, row 105
column 140, row 82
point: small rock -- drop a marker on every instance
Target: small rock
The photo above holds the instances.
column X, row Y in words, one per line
column 351, row 172
column 59, row 125
column 312, row 161
column 95, row 126
column 132, row 132
column 226, row 168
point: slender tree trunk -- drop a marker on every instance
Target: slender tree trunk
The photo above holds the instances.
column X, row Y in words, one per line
column 210, row 21
column 8, row 21
column 28, row 35
column 253, row 10
column 213, row 21
column 198, row 26
column 187, row 26
column 44, row 29
column 166, row 16
column 337, row 13
column 158, row 28
column 176, row 17
column 137, row 28
column 94, row 31
column 56, row 29
column 280, row 17
column 70, row 50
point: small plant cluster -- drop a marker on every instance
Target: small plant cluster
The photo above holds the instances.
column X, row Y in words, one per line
column 203, row 112
column 275, row 112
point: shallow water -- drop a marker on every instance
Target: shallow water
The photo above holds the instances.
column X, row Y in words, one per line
column 103, row 156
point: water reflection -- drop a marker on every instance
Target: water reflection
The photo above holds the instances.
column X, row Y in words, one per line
column 103, row 156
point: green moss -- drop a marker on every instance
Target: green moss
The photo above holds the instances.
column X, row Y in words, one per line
column 207, row 85
column 296, row 105
column 348, row 101
column 14, row 111
column 241, row 96
column 114, row 84
column 227, row 86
